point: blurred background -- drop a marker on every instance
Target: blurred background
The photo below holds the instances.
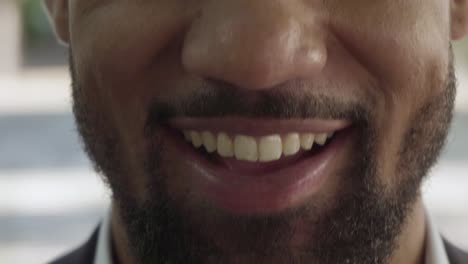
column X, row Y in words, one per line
column 50, row 198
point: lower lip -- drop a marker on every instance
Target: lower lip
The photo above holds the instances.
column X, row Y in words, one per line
column 255, row 193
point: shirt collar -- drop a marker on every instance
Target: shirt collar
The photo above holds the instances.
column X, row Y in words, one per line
column 435, row 250
column 103, row 247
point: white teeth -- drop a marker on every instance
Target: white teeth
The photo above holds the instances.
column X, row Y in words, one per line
column 291, row 144
column 245, row 148
column 270, row 148
column 248, row 148
column 209, row 141
column 224, row 146
column 196, row 139
column 321, row 139
column 307, row 141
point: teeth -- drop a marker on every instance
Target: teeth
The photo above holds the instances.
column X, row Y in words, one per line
column 291, row 144
column 245, row 148
column 248, row 148
column 225, row 148
column 321, row 139
column 307, row 141
column 270, row 148
column 209, row 141
column 196, row 139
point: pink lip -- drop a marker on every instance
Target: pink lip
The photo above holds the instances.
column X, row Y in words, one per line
column 258, row 127
column 258, row 191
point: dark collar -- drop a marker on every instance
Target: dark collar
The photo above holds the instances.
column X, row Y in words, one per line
column 85, row 253
column 82, row 255
column 455, row 254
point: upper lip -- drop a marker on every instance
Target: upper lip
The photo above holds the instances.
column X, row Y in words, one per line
column 258, row 127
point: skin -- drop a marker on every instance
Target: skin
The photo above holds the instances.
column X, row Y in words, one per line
column 391, row 56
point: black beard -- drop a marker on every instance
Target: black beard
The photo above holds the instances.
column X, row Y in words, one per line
column 361, row 226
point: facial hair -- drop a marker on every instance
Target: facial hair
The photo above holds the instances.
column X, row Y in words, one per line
column 360, row 226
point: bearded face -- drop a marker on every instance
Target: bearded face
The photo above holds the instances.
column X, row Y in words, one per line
column 262, row 131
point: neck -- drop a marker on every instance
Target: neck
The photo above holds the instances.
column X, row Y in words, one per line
column 411, row 241
column 121, row 253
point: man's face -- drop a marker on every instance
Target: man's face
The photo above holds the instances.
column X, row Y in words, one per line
column 376, row 74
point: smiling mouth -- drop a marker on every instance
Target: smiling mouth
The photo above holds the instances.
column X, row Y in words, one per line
column 249, row 166
column 242, row 144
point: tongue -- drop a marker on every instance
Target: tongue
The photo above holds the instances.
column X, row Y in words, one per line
column 262, row 167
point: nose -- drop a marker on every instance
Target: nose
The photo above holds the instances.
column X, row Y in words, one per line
column 256, row 44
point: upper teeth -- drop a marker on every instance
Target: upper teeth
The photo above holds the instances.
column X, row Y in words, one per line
column 249, row 148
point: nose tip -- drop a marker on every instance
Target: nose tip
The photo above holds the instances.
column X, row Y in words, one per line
column 254, row 47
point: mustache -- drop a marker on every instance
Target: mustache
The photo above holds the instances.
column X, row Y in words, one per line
column 220, row 100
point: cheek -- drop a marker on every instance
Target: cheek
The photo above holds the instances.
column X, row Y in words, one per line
column 111, row 61
column 399, row 42
column 119, row 42
column 405, row 46
column 115, row 45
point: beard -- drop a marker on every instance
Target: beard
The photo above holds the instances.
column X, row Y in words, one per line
column 360, row 225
